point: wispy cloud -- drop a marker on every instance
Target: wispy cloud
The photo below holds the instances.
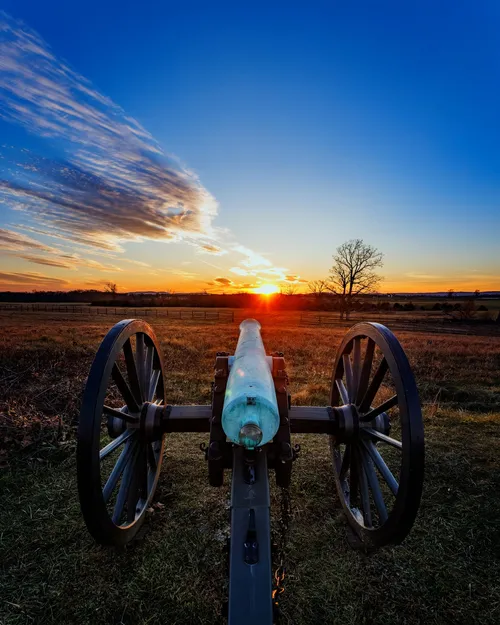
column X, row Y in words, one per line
column 252, row 259
column 209, row 248
column 423, row 276
column 50, row 262
column 247, row 285
column 239, row 271
column 180, row 272
column 23, row 246
column 14, row 241
column 295, row 278
column 483, row 276
column 139, row 263
column 278, row 273
column 69, row 261
column 112, row 181
column 89, row 242
column 223, row 281
column 31, row 278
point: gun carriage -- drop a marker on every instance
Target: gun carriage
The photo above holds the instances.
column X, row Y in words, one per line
column 373, row 421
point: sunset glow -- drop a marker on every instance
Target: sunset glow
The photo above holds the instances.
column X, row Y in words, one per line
column 267, row 289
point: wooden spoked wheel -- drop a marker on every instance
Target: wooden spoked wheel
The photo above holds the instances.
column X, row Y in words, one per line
column 378, row 451
column 119, row 452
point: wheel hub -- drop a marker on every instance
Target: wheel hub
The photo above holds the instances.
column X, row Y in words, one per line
column 347, row 418
column 349, row 423
column 150, row 424
column 381, row 423
column 116, row 426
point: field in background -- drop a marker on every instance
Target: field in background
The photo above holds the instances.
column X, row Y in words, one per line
column 52, row 572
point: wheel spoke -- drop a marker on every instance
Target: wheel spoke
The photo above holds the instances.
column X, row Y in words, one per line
column 344, row 467
column 105, row 451
column 383, row 437
column 154, row 383
column 379, row 462
column 353, row 478
column 374, row 386
column 148, row 371
column 366, row 370
column 135, row 490
column 140, row 357
column 344, row 395
column 378, row 498
column 348, row 377
column 132, row 371
column 363, row 491
column 356, row 368
column 124, row 389
column 117, row 470
column 144, row 472
column 119, row 414
column 124, row 487
column 152, row 458
column 387, row 405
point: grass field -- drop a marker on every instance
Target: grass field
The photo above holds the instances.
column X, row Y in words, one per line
column 52, row 572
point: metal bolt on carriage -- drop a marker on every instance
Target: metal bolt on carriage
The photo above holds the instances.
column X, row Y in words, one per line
column 373, row 421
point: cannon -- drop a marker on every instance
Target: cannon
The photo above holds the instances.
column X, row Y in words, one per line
column 373, row 422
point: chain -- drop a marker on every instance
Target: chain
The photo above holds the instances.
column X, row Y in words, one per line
column 283, row 533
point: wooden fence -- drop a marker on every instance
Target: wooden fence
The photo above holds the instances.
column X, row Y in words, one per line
column 315, row 320
column 320, row 320
column 126, row 311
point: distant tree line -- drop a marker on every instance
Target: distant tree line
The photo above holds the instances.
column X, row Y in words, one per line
column 83, row 296
column 196, row 300
column 317, row 300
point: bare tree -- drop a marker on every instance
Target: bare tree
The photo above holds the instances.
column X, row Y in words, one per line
column 354, row 272
column 462, row 312
column 289, row 288
column 111, row 287
column 318, row 287
column 468, row 310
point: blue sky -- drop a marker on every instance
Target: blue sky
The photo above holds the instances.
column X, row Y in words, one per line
column 293, row 130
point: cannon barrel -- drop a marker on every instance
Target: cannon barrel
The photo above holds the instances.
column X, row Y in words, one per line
column 250, row 416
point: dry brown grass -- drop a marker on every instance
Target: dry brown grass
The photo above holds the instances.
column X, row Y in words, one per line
column 446, row 571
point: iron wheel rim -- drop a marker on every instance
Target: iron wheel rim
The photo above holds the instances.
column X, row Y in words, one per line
column 363, row 461
column 105, row 527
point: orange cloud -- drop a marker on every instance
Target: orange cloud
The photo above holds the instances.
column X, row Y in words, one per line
column 224, row 281
column 15, row 241
column 212, row 249
column 29, row 279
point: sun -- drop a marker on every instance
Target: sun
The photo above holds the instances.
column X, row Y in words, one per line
column 267, row 289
